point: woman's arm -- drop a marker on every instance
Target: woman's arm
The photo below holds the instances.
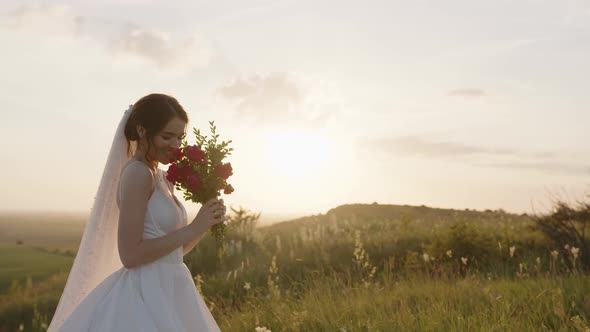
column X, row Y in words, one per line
column 149, row 250
column 134, row 250
column 187, row 247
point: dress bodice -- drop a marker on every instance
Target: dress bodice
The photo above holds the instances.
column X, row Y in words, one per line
column 164, row 214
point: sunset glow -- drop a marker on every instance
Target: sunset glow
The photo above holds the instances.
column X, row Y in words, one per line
column 460, row 104
column 298, row 153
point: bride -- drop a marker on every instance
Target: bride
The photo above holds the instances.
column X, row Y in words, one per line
column 128, row 274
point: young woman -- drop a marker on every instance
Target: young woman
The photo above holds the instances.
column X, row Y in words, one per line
column 128, row 274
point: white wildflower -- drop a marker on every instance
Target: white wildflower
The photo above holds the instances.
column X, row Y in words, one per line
column 575, row 251
column 512, row 250
column 464, row 260
column 450, row 253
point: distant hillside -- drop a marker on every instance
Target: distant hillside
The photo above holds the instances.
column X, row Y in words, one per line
column 363, row 213
column 63, row 231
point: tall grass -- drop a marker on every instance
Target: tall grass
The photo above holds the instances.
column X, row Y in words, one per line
column 372, row 268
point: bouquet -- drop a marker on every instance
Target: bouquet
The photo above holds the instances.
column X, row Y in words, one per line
column 200, row 173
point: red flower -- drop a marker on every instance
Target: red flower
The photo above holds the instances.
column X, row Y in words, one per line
column 228, row 189
column 224, row 171
column 177, row 153
column 194, row 182
column 194, row 153
column 184, row 172
column 172, row 173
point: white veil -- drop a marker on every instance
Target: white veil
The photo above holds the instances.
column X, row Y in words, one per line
column 98, row 254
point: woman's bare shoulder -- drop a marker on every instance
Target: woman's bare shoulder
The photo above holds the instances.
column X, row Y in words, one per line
column 137, row 175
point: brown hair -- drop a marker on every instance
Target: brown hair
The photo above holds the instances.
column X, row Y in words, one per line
column 152, row 112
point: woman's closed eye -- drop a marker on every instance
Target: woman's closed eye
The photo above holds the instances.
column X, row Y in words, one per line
column 179, row 137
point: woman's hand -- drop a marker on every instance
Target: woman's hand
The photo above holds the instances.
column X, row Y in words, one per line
column 210, row 213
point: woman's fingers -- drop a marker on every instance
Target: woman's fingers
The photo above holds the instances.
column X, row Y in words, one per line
column 213, row 201
column 218, row 212
column 216, row 209
column 220, row 208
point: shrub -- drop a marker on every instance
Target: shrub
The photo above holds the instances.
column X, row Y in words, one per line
column 567, row 227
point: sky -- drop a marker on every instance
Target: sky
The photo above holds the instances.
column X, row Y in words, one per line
column 451, row 104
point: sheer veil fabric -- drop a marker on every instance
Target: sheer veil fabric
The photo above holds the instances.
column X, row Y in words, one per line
column 98, row 253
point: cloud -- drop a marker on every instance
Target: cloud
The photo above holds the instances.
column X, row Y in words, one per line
column 414, row 146
column 259, row 90
column 546, row 166
column 38, row 16
column 576, row 13
column 467, row 93
column 122, row 40
column 158, row 47
column 280, row 97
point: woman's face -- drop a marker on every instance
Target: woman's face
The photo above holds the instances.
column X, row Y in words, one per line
column 169, row 137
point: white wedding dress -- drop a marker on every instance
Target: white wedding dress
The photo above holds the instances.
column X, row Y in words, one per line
column 158, row 296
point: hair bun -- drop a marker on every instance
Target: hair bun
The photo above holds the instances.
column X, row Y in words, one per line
column 130, row 130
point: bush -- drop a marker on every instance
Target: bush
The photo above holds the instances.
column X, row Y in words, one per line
column 567, row 227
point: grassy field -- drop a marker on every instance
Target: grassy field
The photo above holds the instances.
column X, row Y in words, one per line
column 61, row 232
column 471, row 304
column 19, row 262
column 36, row 246
column 358, row 268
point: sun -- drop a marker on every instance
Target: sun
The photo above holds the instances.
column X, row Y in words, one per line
column 298, row 152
